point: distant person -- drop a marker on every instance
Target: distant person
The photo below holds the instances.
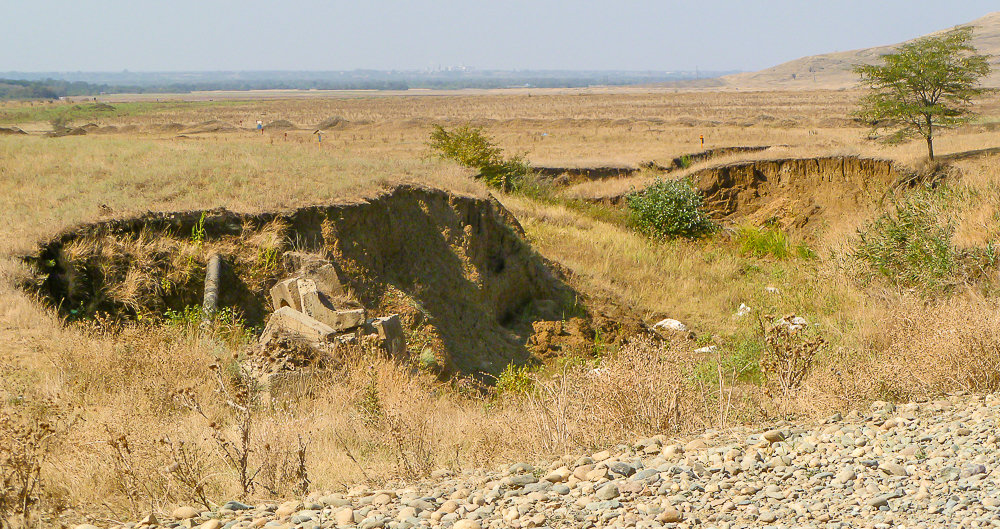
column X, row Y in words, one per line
column 260, row 126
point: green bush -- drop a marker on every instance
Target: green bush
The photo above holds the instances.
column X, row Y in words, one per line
column 910, row 246
column 670, row 208
column 470, row 147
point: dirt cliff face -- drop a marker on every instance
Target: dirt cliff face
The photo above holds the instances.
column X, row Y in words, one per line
column 467, row 285
column 796, row 192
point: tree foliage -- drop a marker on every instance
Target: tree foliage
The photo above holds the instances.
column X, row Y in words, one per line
column 926, row 84
column 471, row 147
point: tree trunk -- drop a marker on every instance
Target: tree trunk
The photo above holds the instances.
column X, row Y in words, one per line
column 930, row 139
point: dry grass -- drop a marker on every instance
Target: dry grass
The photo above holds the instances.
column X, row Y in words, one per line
column 123, row 381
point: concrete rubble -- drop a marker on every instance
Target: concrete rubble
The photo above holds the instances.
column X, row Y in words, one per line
column 304, row 312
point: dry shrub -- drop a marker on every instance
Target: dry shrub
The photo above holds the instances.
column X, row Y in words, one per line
column 919, row 349
column 30, row 433
column 789, row 352
column 641, row 389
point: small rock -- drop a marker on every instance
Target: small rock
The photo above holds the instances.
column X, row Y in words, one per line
column 608, row 492
column 774, row 436
column 894, row 469
column 670, row 515
column 670, row 325
column 344, row 516
column 622, row 469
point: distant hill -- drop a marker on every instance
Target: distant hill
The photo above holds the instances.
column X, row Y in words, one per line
column 833, row 70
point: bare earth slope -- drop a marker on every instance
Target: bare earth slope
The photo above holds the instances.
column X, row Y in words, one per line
column 833, row 70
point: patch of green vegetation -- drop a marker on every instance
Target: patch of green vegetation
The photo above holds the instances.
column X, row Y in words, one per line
column 369, row 405
column 670, row 209
column 738, row 361
column 226, row 323
column 769, row 241
column 514, row 381
column 910, row 246
column 471, row 147
column 62, row 113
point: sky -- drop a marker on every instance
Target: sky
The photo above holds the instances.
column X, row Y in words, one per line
column 661, row 35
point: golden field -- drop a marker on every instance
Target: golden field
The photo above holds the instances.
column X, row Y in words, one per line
column 103, row 382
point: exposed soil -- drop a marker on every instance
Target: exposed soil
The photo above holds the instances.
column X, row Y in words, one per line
column 567, row 175
column 799, row 191
column 574, row 175
column 468, row 287
column 797, row 194
column 281, row 124
column 332, row 123
column 212, row 125
column 11, row 131
column 67, row 131
column 967, row 155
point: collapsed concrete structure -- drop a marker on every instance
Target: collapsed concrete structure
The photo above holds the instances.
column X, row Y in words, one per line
column 312, row 308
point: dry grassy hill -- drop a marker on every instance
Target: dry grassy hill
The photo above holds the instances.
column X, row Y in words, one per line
column 833, row 70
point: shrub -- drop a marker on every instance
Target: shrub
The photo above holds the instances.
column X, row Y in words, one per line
column 670, row 208
column 470, row 147
column 788, row 353
column 910, row 246
column 28, row 435
column 514, row 380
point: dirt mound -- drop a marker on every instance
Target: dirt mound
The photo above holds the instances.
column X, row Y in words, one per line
column 212, row 125
column 797, row 192
column 67, row 131
column 102, row 107
column 167, row 127
column 332, row 123
column 280, row 124
column 7, row 131
column 467, row 286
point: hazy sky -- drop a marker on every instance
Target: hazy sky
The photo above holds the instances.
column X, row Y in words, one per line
column 142, row 35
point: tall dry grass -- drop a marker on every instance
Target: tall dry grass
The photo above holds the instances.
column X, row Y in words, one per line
column 883, row 343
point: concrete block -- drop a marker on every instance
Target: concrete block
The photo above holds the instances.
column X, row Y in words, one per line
column 286, row 294
column 317, row 268
column 287, row 319
column 390, row 332
column 316, row 305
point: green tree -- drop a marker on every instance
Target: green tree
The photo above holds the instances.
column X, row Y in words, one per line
column 471, row 147
column 926, row 84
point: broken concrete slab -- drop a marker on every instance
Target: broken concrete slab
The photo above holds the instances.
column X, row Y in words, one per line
column 390, row 331
column 316, row 305
column 317, row 268
column 286, row 294
column 287, row 319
